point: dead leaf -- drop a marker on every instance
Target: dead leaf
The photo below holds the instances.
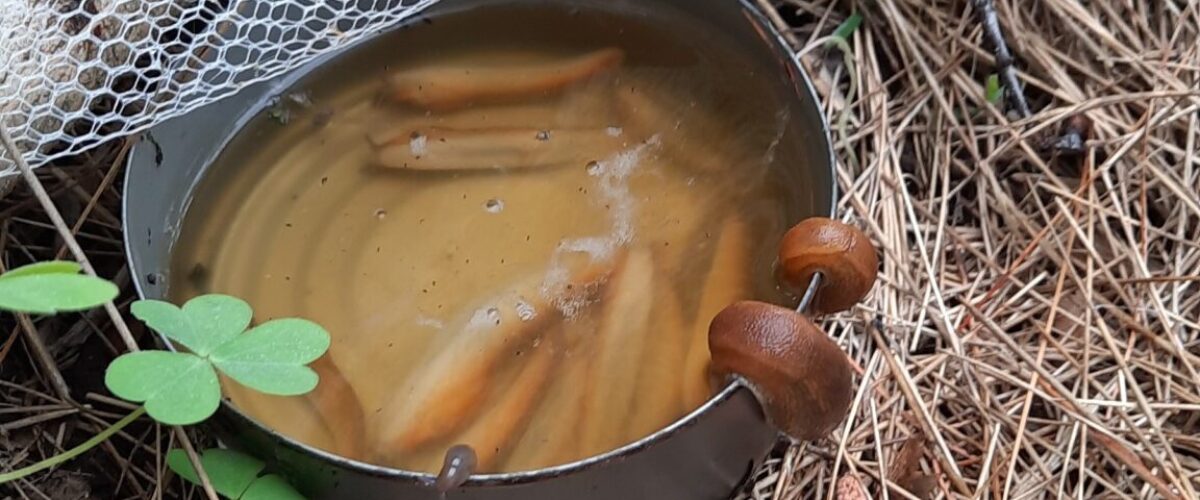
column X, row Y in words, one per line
column 906, row 469
column 850, row 487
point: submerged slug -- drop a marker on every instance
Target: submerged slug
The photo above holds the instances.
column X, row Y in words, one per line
column 448, row 394
column 449, row 87
column 726, row 282
column 799, row 375
column 625, row 315
column 441, row 149
column 842, row 254
column 457, row 467
column 496, row 431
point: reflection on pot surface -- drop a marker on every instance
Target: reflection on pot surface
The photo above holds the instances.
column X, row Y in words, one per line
column 517, row 237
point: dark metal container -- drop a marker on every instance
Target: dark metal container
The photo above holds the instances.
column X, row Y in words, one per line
column 704, row 455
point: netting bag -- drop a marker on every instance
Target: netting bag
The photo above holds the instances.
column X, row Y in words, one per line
column 74, row 73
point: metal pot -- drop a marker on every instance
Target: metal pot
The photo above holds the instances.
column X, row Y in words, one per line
column 704, row 455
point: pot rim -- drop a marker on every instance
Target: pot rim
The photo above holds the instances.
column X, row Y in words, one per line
column 803, row 85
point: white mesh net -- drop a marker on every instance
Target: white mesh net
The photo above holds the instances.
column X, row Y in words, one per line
column 74, row 73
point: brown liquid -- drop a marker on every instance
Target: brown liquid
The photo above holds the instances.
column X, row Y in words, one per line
column 398, row 264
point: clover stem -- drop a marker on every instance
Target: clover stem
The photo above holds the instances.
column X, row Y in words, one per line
column 76, row 451
column 194, row 458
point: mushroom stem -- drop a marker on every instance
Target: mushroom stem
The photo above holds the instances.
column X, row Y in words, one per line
column 585, row 107
column 658, row 397
column 726, row 282
column 449, row 87
column 552, row 438
column 680, row 214
column 451, row 387
column 436, row 148
column 337, row 403
column 624, row 319
column 492, row 435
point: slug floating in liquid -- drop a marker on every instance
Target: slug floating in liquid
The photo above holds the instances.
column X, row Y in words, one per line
column 457, row 467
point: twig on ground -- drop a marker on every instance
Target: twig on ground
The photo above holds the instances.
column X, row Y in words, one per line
column 1004, row 60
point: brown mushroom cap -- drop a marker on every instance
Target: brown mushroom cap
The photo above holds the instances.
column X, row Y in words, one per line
column 842, row 254
column 801, row 377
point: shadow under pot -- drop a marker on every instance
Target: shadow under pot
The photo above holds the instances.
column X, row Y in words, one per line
column 517, row 221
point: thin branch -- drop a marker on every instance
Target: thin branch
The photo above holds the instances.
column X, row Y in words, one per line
column 1004, row 60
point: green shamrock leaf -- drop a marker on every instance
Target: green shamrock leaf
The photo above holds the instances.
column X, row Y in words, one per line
column 203, row 324
column 48, row 267
column 177, row 388
column 234, row 475
column 230, row 472
column 182, row 387
column 50, row 287
column 270, row 358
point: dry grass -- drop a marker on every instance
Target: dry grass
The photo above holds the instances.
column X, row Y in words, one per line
column 1036, row 329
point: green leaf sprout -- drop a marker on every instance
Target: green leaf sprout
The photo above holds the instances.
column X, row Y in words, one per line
column 994, row 92
column 51, row 287
column 178, row 388
column 181, row 388
column 845, row 30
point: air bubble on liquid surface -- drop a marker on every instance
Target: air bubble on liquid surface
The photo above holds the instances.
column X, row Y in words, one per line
column 613, row 131
column 593, row 168
column 543, row 135
column 525, row 311
column 494, row 205
column 417, row 144
column 380, row 213
column 484, row 317
column 434, row 323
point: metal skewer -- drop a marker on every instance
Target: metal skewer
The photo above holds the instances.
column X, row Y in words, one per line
column 810, row 293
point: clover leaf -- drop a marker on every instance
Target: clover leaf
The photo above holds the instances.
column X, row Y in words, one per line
column 203, row 323
column 53, row 286
column 270, row 358
column 47, row 267
column 234, row 475
column 229, row 472
column 178, row 388
column 181, row 388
